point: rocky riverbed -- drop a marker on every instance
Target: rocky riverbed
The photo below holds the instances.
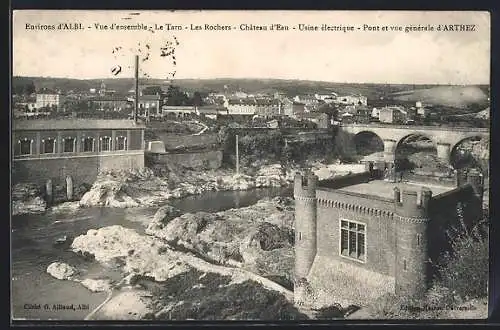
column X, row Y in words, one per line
column 144, row 188
column 183, row 281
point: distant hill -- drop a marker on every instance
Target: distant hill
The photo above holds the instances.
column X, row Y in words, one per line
column 448, row 96
column 438, row 95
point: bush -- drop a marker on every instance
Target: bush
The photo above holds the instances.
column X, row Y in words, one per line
column 330, row 312
column 465, row 269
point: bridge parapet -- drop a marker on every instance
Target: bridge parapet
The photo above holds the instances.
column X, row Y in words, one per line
column 420, row 127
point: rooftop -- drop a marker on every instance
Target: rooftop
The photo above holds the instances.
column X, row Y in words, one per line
column 70, row 124
column 385, row 189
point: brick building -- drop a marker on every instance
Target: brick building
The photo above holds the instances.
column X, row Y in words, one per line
column 55, row 149
column 358, row 237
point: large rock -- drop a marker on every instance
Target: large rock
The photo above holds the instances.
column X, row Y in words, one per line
column 62, row 271
column 99, row 285
column 31, row 206
column 27, row 199
column 258, row 237
column 25, row 191
column 130, row 251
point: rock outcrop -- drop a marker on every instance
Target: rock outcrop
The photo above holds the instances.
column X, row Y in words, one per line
column 62, row 271
column 97, row 285
column 258, row 238
column 27, row 199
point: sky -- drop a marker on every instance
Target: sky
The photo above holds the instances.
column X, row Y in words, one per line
column 439, row 57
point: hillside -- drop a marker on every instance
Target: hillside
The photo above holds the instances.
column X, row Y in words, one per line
column 448, row 96
column 451, row 96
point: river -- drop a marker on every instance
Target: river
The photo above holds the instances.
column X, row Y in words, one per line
column 32, row 250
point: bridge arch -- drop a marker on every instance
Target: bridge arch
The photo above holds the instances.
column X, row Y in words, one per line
column 411, row 144
column 368, row 142
column 462, row 154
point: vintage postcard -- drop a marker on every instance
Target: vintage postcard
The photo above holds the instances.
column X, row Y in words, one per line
column 250, row 165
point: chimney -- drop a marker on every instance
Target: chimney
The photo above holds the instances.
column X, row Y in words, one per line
column 136, row 105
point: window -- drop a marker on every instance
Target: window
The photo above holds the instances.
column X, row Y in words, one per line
column 105, row 143
column 69, row 144
column 352, row 240
column 418, row 239
column 25, row 146
column 404, row 264
column 88, row 144
column 121, row 143
column 48, row 146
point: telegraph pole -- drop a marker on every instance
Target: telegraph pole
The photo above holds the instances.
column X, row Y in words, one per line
column 136, row 103
column 237, row 156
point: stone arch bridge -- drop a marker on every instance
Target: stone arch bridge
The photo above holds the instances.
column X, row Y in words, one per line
column 445, row 139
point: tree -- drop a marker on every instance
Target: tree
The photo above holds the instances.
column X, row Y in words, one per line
column 197, row 99
column 152, row 90
column 30, row 87
column 176, row 97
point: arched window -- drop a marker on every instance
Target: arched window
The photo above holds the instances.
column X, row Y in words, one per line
column 88, row 144
column 48, row 146
column 69, row 144
column 25, row 146
column 105, row 143
column 121, row 143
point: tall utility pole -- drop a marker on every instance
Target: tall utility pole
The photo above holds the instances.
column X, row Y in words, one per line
column 136, row 103
column 237, row 157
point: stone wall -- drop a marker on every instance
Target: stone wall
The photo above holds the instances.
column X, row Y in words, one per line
column 81, row 169
column 202, row 160
column 335, row 282
column 380, row 231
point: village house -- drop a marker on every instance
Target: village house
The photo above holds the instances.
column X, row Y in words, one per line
column 48, row 99
column 306, row 99
column 110, row 103
column 319, row 118
column 211, row 111
column 392, row 115
column 177, row 110
column 362, row 115
column 352, row 100
column 252, row 106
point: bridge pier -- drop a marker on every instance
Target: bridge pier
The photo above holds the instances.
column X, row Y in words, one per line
column 389, row 150
column 444, row 152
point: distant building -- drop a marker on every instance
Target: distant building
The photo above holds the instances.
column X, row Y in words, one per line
column 328, row 98
column 261, row 107
column 211, row 111
column 347, row 118
column 50, row 100
column 306, row 99
column 319, row 118
column 150, row 104
column 279, row 95
column 352, row 100
column 362, row 115
column 178, row 110
column 392, row 115
column 111, row 103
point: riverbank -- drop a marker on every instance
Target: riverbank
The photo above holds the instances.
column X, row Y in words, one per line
column 144, row 188
column 233, row 264
column 179, row 282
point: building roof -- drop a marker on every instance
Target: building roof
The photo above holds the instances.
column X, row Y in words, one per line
column 149, row 98
column 385, row 189
column 74, row 124
column 109, row 98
